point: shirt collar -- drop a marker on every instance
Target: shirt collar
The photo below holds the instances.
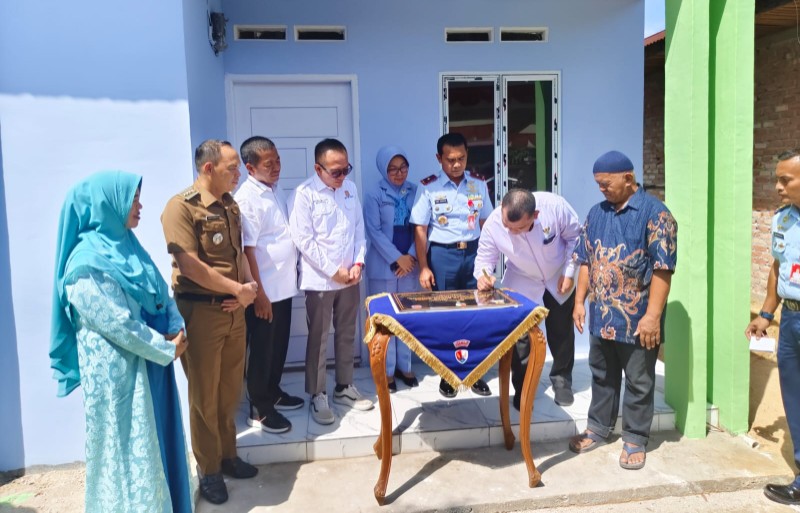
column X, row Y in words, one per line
column 208, row 199
column 634, row 202
column 261, row 186
column 446, row 179
column 319, row 184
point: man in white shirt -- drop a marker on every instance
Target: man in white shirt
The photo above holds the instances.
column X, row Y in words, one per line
column 537, row 233
column 327, row 227
column 272, row 257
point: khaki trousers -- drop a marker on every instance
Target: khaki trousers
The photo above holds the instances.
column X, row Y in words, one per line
column 322, row 308
column 214, row 367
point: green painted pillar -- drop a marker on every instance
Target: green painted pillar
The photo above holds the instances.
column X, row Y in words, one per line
column 708, row 123
column 731, row 164
column 541, row 135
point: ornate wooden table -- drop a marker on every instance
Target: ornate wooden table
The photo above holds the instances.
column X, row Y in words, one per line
column 385, row 324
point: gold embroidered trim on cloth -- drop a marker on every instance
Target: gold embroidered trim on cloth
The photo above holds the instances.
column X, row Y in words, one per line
column 533, row 319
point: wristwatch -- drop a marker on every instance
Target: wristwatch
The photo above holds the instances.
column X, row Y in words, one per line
column 766, row 315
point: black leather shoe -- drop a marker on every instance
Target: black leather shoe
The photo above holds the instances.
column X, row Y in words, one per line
column 516, row 401
column 785, row 494
column 392, row 387
column 481, row 388
column 409, row 382
column 213, row 489
column 564, row 396
column 446, row 390
column 238, row 468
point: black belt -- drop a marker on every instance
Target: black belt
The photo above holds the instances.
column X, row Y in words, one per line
column 791, row 304
column 203, row 298
column 470, row 245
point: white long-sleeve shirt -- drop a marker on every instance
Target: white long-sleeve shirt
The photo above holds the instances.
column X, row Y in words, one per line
column 327, row 227
column 537, row 259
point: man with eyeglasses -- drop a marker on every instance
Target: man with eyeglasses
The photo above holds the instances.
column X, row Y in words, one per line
column 327, row 227
column 448, row 212
column 537, row 232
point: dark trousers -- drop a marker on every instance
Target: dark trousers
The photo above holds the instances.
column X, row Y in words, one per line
column 560, row 339
column 452, row 268
column 268, row 343
column 789, row 374
column 607, row 360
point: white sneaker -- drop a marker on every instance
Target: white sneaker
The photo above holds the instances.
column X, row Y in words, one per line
column 351, row 397
column 320, row 410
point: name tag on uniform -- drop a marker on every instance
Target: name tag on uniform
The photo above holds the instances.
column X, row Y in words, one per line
column 778, row 242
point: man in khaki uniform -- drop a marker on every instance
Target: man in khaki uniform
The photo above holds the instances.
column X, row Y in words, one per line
column 212, row 284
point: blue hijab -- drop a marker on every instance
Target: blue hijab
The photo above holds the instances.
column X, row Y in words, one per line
column 401, row 210
column 92, row 234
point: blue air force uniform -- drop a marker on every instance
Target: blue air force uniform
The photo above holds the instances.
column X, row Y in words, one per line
column 786, row 251
column 453, row 214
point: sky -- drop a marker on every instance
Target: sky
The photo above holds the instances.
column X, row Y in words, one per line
column 653, row 17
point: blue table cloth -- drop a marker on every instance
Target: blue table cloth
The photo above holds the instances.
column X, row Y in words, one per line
column 460, row 345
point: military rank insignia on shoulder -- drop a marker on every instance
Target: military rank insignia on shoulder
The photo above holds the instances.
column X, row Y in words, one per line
column 188, row 193
column 428, row 179
column 476, row 176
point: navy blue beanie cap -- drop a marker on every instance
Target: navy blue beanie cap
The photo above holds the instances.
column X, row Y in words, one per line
column 612, row 162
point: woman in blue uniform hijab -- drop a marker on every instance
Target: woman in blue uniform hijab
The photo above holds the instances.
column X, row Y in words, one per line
column 391, row 262
column 115, row 332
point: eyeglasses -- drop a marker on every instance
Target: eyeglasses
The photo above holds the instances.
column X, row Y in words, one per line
column 395, row 170
column 339, row 172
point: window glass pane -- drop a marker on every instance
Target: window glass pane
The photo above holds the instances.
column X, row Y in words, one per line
column 471, row 111
column 530, row 135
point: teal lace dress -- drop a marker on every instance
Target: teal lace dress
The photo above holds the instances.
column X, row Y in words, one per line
column 136, row 459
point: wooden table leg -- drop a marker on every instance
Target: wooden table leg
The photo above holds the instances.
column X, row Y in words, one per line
column 383, row 446
column 532, row 375
column 505, row 371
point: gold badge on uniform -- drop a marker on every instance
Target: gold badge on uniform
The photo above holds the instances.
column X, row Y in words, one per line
column 442, row 220
column 217, row 238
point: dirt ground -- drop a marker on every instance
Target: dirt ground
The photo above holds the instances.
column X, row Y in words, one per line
column 60, row 489
column 767, row 419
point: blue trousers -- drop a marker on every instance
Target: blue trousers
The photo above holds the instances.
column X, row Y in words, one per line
column 789, row 374
column 452, row 268
column 398, row 355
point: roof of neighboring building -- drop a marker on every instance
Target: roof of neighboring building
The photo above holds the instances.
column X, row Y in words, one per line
column 771, row 16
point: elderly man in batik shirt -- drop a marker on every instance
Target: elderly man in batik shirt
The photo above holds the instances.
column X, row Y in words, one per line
column 627, row 254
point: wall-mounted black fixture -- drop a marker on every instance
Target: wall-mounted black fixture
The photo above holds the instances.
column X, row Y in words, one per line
column 216, row 31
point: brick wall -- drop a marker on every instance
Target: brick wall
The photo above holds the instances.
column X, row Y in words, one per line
column 776, row 128
column 654, row 133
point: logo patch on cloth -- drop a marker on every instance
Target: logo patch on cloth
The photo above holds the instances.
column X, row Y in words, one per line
column 461, row 353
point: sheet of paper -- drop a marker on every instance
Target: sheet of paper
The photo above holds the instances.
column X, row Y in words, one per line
column 765, row 344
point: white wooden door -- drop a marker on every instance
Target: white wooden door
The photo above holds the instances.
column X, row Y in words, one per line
column 295, row 113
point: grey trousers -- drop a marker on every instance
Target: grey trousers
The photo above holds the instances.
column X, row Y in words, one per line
column 607, row 360
column 322, row 307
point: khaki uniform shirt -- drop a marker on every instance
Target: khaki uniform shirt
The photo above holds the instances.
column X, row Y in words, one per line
column 194, row 221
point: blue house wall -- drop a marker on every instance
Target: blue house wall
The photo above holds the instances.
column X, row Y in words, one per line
column 397, row 52
column 134, row 86
column 83, row 87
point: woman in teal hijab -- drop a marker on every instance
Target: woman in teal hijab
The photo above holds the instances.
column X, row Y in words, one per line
column 115, row 332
